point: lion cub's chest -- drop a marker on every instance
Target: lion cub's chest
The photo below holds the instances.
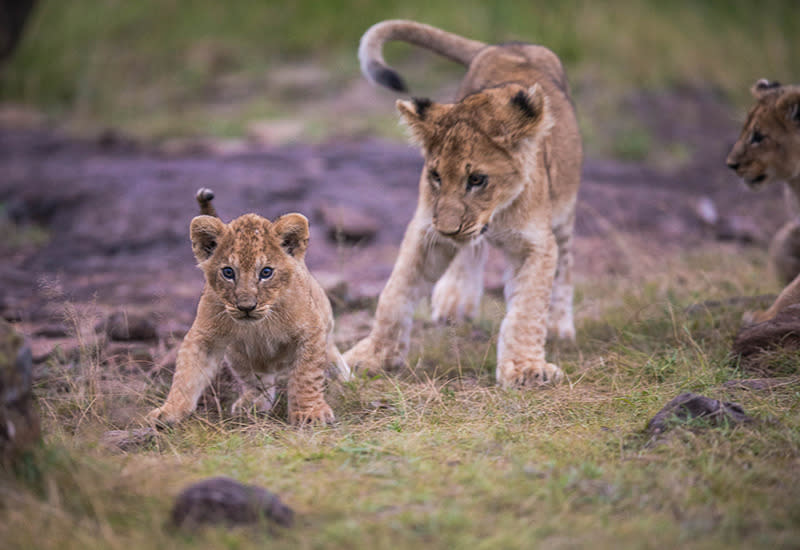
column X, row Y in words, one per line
column 261, row 348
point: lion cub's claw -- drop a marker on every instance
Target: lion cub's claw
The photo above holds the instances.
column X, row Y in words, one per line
column 322, row 415
column 536, row 376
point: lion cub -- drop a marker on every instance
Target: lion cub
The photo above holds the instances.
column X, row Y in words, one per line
column 262, row 311
column 502, row 167
column 768, row 150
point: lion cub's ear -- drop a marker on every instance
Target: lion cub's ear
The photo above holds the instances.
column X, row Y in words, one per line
column 292, row 230
column 205, row 233
column 420, row 115
column 763, row 85
column 789, row 103
column 527, row 116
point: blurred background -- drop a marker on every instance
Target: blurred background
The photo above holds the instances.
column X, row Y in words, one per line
column 287, row 71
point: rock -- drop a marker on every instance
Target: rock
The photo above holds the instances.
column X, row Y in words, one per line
column 706, row 210
column 124, row 326
column 781, row 333
column 222, row 500
column 690, row 405
column 128, row 440
column 346, row 224
column 19, row 420
column 741, row 229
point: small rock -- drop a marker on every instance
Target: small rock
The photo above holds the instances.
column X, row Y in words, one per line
column 222, row 500
column 741, row 229
column 706, row 210
column 19, row 420
column 124, row 326
column 128, row 440
column 346, row 224
column 54, row 330
column 690, row 405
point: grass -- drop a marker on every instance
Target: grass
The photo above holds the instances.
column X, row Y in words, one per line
column 159, row 69
column 438, row 456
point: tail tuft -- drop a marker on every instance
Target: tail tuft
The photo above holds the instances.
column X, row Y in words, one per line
column 387, row 77
column 204, row 197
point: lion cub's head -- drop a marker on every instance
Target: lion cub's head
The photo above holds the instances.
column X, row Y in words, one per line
column 768, row 148
column 477, row 153
column 251, row 261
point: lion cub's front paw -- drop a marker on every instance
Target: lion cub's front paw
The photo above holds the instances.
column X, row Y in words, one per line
column 366, row 357
column 320, row 414
column 163, row 416
column 530, row 376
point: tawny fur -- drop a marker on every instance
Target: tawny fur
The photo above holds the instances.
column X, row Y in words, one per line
column 259, row 325
column 768, row 150
column 502, row 167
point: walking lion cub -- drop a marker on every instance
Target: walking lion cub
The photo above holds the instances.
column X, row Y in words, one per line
column 502, row 167
column 262, row 311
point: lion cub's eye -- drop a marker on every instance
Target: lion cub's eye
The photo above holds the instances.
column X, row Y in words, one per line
column 475, row 181
column 757, row 137
column 266, row 273
column 436, row 179
column 228, row 273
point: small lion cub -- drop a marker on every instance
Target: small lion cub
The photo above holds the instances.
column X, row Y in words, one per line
column 262, row 311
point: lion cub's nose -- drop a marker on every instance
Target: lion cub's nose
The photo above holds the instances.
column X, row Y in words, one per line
column 733, row 165
column 245, row 308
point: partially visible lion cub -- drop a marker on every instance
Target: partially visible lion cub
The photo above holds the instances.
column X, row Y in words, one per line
column 262, row 311
column 768, row 150
column 502, row 167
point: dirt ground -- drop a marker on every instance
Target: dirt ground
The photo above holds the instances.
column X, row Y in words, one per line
column 117, row 213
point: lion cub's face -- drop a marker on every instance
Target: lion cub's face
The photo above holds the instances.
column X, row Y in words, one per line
column 471, row 151
column 249, row 262
column 768, row 148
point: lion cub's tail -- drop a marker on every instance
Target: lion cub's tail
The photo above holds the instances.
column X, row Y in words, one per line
column 370, row 50
column 204, row 197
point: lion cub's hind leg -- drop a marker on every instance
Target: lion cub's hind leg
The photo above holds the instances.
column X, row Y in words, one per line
column 457, row 295
column 561, row 323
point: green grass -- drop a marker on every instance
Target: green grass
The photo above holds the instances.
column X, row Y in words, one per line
column 162, row 68
column 437, row 456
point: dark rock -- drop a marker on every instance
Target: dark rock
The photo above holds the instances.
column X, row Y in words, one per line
column 690, row 405
column 19, row 420
column 128, row 440
column 741, row 229
column 347, row 224
column 124, row 326
column 222, row 500
column 53, row 330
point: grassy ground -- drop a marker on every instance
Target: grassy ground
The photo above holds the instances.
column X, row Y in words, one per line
column 165, row 68
column 438, row 456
